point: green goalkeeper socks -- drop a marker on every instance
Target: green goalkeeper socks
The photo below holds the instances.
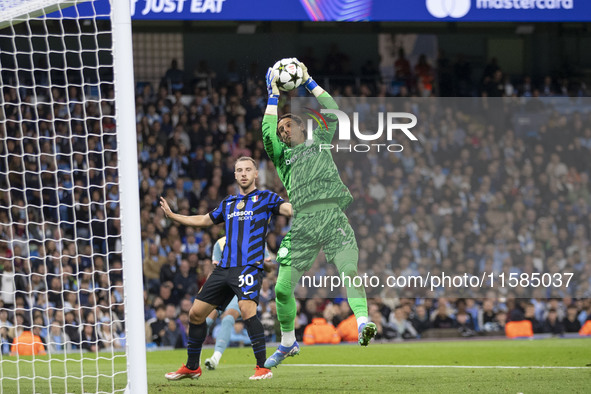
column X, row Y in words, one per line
column 358, row 306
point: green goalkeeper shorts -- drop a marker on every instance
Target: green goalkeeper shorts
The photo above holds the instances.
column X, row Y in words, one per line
column 327, row 229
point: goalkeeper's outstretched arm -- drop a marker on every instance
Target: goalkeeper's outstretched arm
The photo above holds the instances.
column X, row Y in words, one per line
column 193, row 221
column 325, row 100
column 271, row 141
column 321, row 95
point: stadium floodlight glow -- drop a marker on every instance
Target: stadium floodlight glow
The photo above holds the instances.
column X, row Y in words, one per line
column 70, row 234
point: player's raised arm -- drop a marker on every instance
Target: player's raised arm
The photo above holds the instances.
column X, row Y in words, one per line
column 194, row 221
column 270, row 139
column 321, row 95
column 325, row 100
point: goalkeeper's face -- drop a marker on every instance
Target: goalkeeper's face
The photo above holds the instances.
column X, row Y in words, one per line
column 290, row 132
column 245, row 173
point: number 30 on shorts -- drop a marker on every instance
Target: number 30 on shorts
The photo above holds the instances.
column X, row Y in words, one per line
column 247, row 280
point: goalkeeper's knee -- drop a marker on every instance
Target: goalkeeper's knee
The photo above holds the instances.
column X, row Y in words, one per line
column 346, row 262
column 349, row 270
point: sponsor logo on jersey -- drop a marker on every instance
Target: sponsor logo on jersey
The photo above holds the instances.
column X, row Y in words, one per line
column 306, row 154
column 242, row 215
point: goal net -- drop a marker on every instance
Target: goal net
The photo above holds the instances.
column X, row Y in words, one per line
column 68, row 189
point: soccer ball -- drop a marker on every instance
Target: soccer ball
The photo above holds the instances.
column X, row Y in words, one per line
column 289, row 74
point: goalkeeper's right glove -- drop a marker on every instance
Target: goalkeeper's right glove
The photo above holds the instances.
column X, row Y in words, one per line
column 272, row 88
column 309, row 83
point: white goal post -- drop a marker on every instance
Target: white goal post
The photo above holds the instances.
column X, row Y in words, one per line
column 71, row 291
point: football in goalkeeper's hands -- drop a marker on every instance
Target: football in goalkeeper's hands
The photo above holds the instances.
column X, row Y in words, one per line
column 289, row 74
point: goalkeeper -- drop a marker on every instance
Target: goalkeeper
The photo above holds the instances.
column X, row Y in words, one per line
column 319, row 198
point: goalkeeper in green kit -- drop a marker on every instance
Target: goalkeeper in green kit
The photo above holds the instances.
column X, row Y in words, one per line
column 318, row 197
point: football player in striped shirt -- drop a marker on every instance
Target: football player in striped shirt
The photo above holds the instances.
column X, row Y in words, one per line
column 239, row 271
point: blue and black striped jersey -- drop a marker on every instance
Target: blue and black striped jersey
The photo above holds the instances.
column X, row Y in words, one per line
column 247, row 217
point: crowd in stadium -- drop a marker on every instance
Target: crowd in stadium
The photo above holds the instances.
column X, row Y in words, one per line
column 60, row 248
column 474, row 195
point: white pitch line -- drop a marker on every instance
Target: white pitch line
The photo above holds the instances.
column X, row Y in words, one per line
column 432, row 366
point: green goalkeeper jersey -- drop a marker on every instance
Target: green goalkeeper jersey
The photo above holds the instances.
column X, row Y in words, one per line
column 308, row 173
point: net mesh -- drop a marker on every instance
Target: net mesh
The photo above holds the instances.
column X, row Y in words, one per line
column 61, row 294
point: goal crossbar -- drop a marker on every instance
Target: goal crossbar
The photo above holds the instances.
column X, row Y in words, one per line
column 15, row 11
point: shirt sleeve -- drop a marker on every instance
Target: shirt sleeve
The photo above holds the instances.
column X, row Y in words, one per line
column 321, row 134
column 217, row 215
column 273, row 146
column 274, row 203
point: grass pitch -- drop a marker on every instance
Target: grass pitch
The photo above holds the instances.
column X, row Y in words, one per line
column 462, row 366
column 401, row 367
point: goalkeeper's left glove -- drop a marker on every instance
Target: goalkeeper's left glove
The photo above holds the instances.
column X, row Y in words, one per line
column 272, row 88
column 309, row 83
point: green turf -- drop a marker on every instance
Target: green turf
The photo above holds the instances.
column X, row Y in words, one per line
column 238, row 364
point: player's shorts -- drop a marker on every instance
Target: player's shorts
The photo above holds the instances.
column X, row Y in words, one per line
column 327, row 229
column 225, row 283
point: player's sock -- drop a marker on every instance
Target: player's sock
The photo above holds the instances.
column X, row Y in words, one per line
column 197, row 334
column 286, row 313
column 361, row 320
column 208, row 321
column 286, row 303
column 359, row 308
column 223, row 339
column 256, row 333
column 288, row 338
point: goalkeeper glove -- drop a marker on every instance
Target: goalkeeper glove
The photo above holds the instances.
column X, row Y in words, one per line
column 272, row 88
column 309, row 83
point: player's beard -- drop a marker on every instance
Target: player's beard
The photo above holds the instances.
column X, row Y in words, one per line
column 246, row 186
